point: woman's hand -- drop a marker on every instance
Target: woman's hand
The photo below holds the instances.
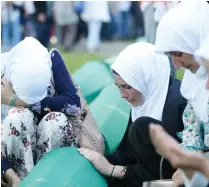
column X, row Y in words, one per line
column 7, row 92
column 99, row 161
column 16, row 181
column 12, row 178
column 177, row 177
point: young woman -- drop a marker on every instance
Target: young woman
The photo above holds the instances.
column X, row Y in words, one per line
column 143, row 78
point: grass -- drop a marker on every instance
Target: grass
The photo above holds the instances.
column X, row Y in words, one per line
column 74, row 60
column 179, row 74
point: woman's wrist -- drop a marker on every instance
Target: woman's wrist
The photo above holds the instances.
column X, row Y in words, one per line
column 118, row 172
column 11, row 176
column 19, row 102
column 16, row 102
column 8, row 174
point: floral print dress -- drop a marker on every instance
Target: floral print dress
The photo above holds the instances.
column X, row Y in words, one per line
column 195, row 135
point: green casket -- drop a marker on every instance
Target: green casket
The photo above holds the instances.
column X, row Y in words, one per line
column 92, row 77
column 64, row 167
column 111, row 113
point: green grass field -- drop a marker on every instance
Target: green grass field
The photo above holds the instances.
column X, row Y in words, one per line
column 74, row 60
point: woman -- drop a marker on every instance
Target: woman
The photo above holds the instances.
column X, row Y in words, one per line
column 67, row 22
column 95, row 12
column 144, row 80
column 31, row 129
column 180, row 37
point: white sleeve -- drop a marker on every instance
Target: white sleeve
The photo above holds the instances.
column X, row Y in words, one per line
column 199, row 180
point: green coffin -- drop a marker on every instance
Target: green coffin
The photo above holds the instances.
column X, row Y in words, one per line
column 64, row 167
column 108, row 62
column 111, row 113
column 92, row 78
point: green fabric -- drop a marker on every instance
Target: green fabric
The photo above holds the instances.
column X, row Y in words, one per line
column 111, row 113
column 64, row 167
column 92, row 78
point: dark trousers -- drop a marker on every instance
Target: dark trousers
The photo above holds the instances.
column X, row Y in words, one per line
column 68, row 34
column 148, row 161
column 81, row 29
column 42, row 33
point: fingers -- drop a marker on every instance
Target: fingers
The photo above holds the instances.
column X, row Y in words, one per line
column 88, row 154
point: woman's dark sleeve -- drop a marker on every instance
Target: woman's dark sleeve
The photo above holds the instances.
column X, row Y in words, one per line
column 67, row 99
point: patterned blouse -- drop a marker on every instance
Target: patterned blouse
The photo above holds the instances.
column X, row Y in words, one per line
column 66, row 100
column 195, row 135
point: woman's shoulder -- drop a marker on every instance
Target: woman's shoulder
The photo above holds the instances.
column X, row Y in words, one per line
column 174, row 91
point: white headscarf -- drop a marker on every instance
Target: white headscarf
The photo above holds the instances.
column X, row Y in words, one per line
column 184, row 29
column 200, row 54
column 203, row 51
column 149, row 73
column 28, row 67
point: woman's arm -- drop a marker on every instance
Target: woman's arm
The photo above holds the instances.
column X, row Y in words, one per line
column 102, row 164
column 67, row 101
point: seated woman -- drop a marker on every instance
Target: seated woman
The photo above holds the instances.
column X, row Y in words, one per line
column 143, row 78
column 32, row 128
column 180, row 39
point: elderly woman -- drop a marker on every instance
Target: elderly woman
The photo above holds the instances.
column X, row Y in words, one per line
column 143, row 78
column 37, row 120
column 180, row 33
column 171, row 150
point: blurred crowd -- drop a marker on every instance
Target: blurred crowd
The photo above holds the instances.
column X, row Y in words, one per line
column 95, row 20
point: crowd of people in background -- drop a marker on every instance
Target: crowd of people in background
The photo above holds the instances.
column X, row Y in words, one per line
column 94, row 20
column 167, row 135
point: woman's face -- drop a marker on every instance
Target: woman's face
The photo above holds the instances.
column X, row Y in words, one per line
column 185, row 60
column 131, row 95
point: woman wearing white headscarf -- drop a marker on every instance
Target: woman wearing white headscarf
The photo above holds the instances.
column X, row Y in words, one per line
column 28, row 132
column 144, row 80
column 180, row 34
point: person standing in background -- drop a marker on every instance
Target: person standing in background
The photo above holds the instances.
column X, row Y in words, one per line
column 94, row 14
column 41, row 22
column 67, row 21
column 81, row 26
column 11, row 29
column 28, row 19
column 124, row 19
column 138, row 20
